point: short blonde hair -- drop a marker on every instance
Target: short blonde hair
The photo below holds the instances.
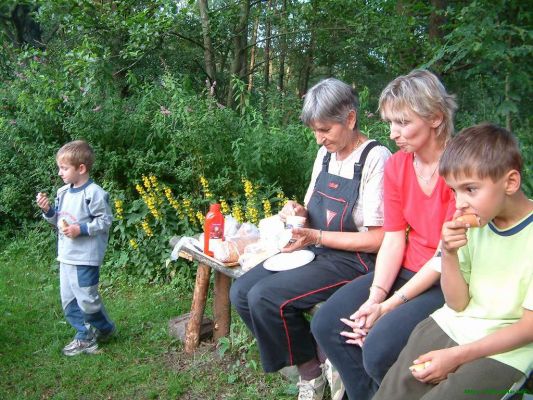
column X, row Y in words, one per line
column 484, row 150
column 423, row 93
column 76, row 153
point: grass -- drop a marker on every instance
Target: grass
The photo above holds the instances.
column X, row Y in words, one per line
column 142, row 362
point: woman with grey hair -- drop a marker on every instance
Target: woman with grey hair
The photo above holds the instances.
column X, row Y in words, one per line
column 363, row 327
column 343, row 210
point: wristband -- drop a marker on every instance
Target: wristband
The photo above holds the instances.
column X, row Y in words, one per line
column 380, row 288
column 319, row 239
column 401, row 296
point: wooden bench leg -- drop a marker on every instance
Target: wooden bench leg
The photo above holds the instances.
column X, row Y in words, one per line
column 221, row 306
column 192, row 333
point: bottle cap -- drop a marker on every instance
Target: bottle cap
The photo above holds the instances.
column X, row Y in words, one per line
column 214, row 207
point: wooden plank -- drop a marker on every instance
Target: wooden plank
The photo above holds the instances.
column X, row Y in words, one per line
column 232, row 270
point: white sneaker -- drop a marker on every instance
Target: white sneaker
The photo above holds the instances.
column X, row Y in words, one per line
column 334, row 380
column 311, row 390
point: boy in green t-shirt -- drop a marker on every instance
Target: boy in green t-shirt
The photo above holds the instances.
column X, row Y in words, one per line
column 480, row 344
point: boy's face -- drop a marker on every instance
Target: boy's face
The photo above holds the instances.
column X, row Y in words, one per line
column 71, row 174
column 474, row 195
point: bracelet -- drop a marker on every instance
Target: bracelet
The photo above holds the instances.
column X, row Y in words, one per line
column 380, row 288
column 319, row 240
column 401, row 296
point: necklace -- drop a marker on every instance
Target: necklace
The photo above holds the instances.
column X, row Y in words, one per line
column 425, row 180
column 357, row 144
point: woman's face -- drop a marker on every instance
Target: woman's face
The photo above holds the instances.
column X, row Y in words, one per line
column 334, row 136
column 409, row 131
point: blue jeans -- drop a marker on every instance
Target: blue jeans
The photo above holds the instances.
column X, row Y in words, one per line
column 81, row 301
column 363, row 369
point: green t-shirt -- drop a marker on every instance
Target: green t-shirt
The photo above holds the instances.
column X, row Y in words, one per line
column 498, row 267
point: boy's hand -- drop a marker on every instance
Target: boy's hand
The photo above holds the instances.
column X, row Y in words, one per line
column 441, row 363
column 71, row 231
column 43, row 202
column 454, row 234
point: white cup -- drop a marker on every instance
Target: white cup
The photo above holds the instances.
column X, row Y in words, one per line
column 295, row 221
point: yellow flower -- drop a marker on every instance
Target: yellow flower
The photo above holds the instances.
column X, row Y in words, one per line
column 140, row 189
column 224, row 207
column 118, row 208
column 146, row 182
column 236, row 212
column 205, row 187
column 190, row 212
column 267, row 208
column 200, row 217
column 248, row 188
column 252, row 214
column 146, row 228
column 171, row 200
column 133, row 244
column 153, row 181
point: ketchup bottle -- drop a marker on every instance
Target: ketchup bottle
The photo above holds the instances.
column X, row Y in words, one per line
column 213, row 228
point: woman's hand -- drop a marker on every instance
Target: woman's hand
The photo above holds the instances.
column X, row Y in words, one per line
column 292, row 208
column 302, row 237
column 362, row 321
column 441, row 363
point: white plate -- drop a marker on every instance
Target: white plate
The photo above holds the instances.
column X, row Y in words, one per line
column 286, row 261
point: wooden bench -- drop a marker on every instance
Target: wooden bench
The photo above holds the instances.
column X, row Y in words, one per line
column 224, row 273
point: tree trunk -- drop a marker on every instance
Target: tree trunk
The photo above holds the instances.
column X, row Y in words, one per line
column 252, row 55
column 240, row 39
column 283, row 46
column 436, row 20
column 268, row 33
column 209, row 56
column 307, row 66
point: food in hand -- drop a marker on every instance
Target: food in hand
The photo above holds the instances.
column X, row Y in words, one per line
column 419, row 367
column 63, row 224
column 470, row 219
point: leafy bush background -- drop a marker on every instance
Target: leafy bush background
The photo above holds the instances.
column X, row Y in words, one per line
column 118, row 75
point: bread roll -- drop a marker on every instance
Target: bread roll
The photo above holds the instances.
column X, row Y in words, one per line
column 419, row 367
column 470, row 219
column 229, row 250
column 63, row 224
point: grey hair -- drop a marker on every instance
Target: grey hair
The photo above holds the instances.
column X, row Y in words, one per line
column 422, row 92
column 329, row 100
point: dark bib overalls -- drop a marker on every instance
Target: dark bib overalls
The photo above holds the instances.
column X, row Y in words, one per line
column 273, row 304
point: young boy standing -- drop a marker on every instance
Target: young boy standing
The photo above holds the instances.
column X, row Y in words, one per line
column 480, row 344
column 83, row 216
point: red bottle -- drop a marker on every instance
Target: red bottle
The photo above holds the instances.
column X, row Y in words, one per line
column 213, row 228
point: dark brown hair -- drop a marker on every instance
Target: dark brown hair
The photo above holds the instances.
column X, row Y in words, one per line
column 483, row 150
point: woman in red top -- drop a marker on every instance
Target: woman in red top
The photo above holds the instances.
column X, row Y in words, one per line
column 363, row 327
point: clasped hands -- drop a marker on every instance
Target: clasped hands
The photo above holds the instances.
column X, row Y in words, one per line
column 441, row 362
column 362, row 321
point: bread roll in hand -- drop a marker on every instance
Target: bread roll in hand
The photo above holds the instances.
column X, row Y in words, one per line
column 419, row 367
column 470, row 219
column 63, row 224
